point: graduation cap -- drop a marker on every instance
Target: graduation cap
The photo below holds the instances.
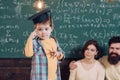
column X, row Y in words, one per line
column 40, row 16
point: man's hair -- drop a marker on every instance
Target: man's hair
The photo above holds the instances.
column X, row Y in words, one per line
column 114, row 39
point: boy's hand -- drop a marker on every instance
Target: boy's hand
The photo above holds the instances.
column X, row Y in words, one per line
column 55, row 53
column 33, row 34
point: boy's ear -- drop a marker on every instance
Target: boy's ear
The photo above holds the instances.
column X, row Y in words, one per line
column 35, row 25
column 52, row 28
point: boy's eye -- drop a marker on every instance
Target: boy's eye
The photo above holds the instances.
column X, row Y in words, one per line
column 40, row 29
column 43, row 29
column 46, row 28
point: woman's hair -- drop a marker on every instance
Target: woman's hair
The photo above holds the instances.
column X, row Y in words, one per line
column 91, row 42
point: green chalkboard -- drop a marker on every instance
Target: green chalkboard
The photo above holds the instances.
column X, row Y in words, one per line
column 76, row 21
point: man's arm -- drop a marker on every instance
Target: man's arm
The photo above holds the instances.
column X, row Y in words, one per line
column 72, row 65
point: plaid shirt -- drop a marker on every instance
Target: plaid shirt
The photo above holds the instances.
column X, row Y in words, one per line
column 39, row 69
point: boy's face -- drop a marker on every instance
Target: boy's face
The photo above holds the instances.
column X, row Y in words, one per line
column 43, row 30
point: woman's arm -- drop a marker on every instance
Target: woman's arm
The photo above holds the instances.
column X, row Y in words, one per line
column 101, row 73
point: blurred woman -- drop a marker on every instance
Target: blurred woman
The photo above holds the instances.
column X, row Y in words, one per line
column 88, row 68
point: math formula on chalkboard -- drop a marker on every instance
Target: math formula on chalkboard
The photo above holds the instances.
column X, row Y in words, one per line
column 75, row 21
